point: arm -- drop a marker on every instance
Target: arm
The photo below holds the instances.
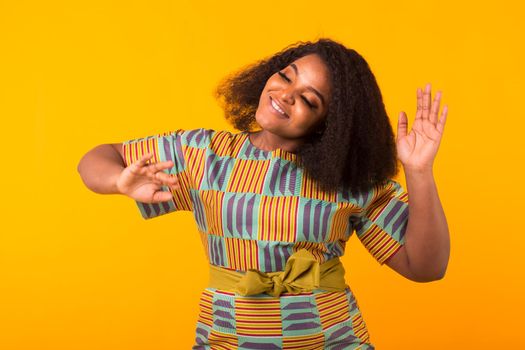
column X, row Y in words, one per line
column 424, row 256
column 106, row 170
column 101, row 167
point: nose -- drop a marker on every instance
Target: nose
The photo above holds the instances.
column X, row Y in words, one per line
column 286, row 95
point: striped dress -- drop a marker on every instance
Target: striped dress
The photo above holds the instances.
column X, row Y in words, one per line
column 253, row 209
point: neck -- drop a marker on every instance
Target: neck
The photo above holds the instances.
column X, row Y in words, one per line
column 268, row 141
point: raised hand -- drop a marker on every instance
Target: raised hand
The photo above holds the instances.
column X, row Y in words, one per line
column 417, row 149
column 143, row 182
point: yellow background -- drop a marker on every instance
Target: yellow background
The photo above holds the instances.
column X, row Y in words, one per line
column 80, row 270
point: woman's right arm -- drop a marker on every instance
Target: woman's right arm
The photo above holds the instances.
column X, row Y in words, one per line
column 101, row 167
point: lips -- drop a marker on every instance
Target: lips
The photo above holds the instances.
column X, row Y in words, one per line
column 280, row 106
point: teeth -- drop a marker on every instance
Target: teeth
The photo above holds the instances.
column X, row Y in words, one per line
column 276, row 106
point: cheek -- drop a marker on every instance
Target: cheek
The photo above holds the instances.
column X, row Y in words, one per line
column 274, row 82
column 305, row 119
column 302, row 111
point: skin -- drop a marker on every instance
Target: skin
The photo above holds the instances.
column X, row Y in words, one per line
column 306, row 111
column 292, row 92
column 425, row 254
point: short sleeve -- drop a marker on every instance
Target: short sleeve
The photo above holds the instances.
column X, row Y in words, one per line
column 382, row 223
column 165, row 146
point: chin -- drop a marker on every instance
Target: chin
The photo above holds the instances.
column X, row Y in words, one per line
column 264, row 122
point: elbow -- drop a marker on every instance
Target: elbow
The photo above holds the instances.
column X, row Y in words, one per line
column 85, row 160
column 83, row 170
column 429, row 276
column 432, row 278
column 79, row 167
column 80, row 170
column 81, row 163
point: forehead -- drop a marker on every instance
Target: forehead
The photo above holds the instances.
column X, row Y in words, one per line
column 313, row 71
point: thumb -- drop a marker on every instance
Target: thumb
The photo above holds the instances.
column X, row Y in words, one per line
column 162, row 196
column 402, row 125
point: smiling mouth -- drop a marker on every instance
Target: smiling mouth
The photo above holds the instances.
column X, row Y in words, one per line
column 278, row 109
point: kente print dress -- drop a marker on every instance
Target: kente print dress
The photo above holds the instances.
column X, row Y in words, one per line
column 253, row 209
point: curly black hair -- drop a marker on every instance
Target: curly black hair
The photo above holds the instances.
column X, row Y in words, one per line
column 356, row 148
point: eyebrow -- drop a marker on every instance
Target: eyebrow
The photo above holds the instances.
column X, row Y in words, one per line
column 309, row 87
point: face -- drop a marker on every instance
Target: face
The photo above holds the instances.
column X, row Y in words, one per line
column 295, row 99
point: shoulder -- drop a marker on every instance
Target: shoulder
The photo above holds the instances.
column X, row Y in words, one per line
column 199, row 134
column 199, row 137
column 379, row 192
column 220, row 142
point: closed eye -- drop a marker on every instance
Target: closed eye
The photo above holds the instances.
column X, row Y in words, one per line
column 304, row 98
column 284, row 76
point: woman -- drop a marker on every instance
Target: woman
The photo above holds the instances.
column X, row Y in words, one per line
column 275, row 206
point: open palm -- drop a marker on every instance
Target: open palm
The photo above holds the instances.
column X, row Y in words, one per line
column 143, row 182
column 417, row 149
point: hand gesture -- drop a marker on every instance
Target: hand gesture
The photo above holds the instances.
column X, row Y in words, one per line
column 143, row 182
column 417, row 149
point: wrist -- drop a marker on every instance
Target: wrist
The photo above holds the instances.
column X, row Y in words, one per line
column 114, row 185
column 419, row 177
column 418, row 171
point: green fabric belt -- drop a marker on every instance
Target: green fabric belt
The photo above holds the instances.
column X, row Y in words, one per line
column 302, row 273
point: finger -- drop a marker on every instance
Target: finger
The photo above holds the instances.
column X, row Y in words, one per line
column 435, row 108
column 426, row 102
column 140, row 166
column 441, row 125
column 154, row 167
column 166, row 178
column 419, row 110
column 402, row 125
column 144, row 159
column 161, row 196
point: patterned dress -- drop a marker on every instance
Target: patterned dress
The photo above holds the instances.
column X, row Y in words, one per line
column 253, row 209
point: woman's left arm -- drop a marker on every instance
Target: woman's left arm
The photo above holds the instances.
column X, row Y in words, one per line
column 427, row 241
column 425, row 254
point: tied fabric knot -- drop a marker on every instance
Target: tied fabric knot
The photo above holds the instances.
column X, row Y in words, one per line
column 301, row 273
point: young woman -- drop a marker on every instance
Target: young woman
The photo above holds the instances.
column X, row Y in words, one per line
column 276, row 202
